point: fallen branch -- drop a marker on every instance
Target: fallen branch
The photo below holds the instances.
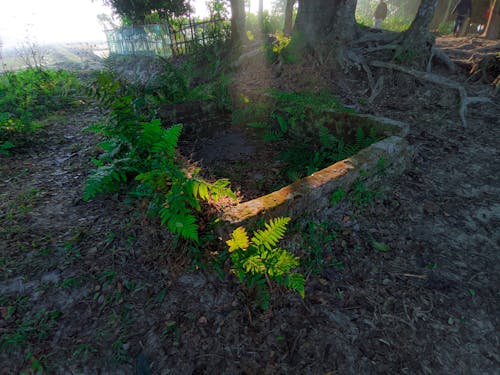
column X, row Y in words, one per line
column 438, row 80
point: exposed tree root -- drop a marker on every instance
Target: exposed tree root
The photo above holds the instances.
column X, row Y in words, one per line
column 484, row 67
column 438, row 80
column 443, row 57
column 375, row 87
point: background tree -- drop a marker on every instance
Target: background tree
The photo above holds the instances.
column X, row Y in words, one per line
column 136, row 11
column 493, row 26
column 326, row 22
column 417, row 41
column 288, row 24
column 442, row 13
column 237, row 22
column 327, row 25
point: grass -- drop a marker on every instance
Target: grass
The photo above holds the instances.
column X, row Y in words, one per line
column 32, row 327
column 393, row 23
column 28, row 96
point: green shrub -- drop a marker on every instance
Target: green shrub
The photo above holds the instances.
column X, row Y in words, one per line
column 29, row 95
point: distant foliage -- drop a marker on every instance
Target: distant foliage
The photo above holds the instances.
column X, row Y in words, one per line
column 259, row 262
column 137, row 11
column 29, row 95
column 141, row 154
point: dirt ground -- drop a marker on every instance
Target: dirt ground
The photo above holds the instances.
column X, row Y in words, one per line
column 93, row 287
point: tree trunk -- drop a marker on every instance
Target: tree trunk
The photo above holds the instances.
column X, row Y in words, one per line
column 419, row 28
column 326, row 21
column 441, row 14
column 237, row 23
column 287, row 29
column 493, row 27
column 417, row 41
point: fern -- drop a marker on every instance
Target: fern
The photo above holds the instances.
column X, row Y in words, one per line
column 214, row 191
column 107, row 178
column 275, row 231
column 180, row 223
column 161, row 140
column 143, row 153
column 295, row 281
column 239, row 240
column 258, row 261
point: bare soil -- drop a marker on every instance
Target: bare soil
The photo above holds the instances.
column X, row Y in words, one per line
column 94, row 287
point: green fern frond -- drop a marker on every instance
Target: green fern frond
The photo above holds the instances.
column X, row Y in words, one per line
column 217, row 190
column 106, row 178
column 254, row 265
column 282, row 263
column 180, row 223
column 200, row 189
column 295, row 281
column 327, row 139
column 360, row 139
column 238, row 240
column 159, row 139
column 274, row 232
column 167, row 140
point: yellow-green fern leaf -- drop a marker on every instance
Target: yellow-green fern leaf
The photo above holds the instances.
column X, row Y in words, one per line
column 274, row 232
column 254, row 265
column 239, row 240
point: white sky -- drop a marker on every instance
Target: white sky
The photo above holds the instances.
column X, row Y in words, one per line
column 49, row 21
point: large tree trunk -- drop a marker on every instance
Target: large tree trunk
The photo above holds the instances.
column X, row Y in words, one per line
column 287, row 29
column 419, row 28
column 237, row 23
column 417, row 41
column 326, row 21
column 493, row 27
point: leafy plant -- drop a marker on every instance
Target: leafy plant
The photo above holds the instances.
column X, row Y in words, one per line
column 282, row 48
column 259, row 261
column 318, row 239
column 27, row 96
column 337, row 196
column 143, row 154
column 361, row 195
column 303, row 121
column 304, row 159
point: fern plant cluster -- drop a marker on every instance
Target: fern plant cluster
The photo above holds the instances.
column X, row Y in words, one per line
column 29, row 95
column 140, row 153
column 259, row 262
column 298, row 121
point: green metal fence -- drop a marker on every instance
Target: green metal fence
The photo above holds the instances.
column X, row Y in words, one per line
column 165, row 39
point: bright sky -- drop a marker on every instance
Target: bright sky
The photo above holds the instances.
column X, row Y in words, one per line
column 49, row 21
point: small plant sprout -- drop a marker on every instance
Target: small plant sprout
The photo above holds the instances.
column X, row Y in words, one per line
column 337, row 196
column 380, row 246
